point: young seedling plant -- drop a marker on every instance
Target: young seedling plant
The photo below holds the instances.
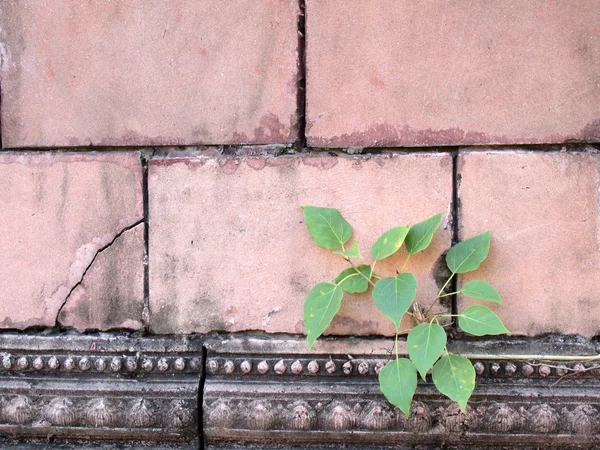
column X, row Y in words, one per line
column 453, row 375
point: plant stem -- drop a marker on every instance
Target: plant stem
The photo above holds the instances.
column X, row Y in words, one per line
column 372, row 269
column 533, row 357
column 396, row 344
column 439, row 294
column 398, row 333
column 360, row 273
column 345, row 278
column 405, row 262
column 444, row 286
column 449, row 294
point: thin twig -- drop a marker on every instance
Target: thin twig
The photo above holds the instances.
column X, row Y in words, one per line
column 577, row 372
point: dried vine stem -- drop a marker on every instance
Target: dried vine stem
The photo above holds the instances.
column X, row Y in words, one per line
column 533, row 357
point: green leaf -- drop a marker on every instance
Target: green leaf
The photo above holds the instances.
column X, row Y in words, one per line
column 326, row 226
column 426, row 343
column 354, row 283
column 394, row 295
column 353, row 252
column 321, row 305
column 468, row 255
column 389, row 242
column 419, row 236
column 481, row 290
column 480, row 320
column 398, row 382
column 454, row 376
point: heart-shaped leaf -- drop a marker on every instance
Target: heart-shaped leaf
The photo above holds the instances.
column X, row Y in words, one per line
column 394, row 295
column 468, row 255
column 481, row 290
column 419, row 236
column 354, row 282
column 352, row 252
column 389, row 242
column 426, row 343
column 321, row 305
column 326, row 226
column 398, row 382
column 454, row 376
column 480, row 320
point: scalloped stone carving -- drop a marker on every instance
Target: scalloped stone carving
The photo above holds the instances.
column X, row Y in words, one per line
column 220, row 415
column 543, row 418
column 141, row 414
column 100, row 414
column 301, row 416
column 452, row 418
column 339, row 416
column 581, row 420
column 259, row 416
column 376, row 416
column 501, row 418
column 19, row 411
column 419, row 419
column 60, row 412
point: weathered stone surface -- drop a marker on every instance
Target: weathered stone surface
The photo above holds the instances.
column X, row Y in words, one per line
column 542, row 210
column 137, row 73
column 229, row 249
column 57, row 212
column 445, row 73
column 112, row 291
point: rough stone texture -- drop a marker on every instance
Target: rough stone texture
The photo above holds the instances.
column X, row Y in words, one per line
column 57, row 212
column 229, row 249
column 445, row 73
column 542, row 209
column 112, row 290
column 144, row 73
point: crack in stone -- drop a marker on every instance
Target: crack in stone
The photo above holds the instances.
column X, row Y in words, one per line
column 100, row 250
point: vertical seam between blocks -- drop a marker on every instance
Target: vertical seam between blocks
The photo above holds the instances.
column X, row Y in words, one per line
column 455, row 226
column 301, row 85
column 200, row 408
column 146, row 310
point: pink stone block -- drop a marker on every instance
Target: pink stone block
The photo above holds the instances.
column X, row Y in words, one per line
column 57, row 213
column 408, row 73
column 542, row 210
column 148, row 73
column 229, row 249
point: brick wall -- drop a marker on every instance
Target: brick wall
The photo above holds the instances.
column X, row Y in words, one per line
column 155, row 154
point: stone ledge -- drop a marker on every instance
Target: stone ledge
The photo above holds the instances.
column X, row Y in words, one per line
column 262, row 391
column 103, row 388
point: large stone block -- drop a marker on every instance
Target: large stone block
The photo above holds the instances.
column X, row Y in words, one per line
column 407, row 73
column 148, row 73
column 542, row 210
column 229, row 249
column 67, row 240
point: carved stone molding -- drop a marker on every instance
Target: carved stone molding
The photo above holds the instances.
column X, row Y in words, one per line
column 267, row 390
column 104, row 388
column 114, row 391
column 427, row 416
column 345, row 367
